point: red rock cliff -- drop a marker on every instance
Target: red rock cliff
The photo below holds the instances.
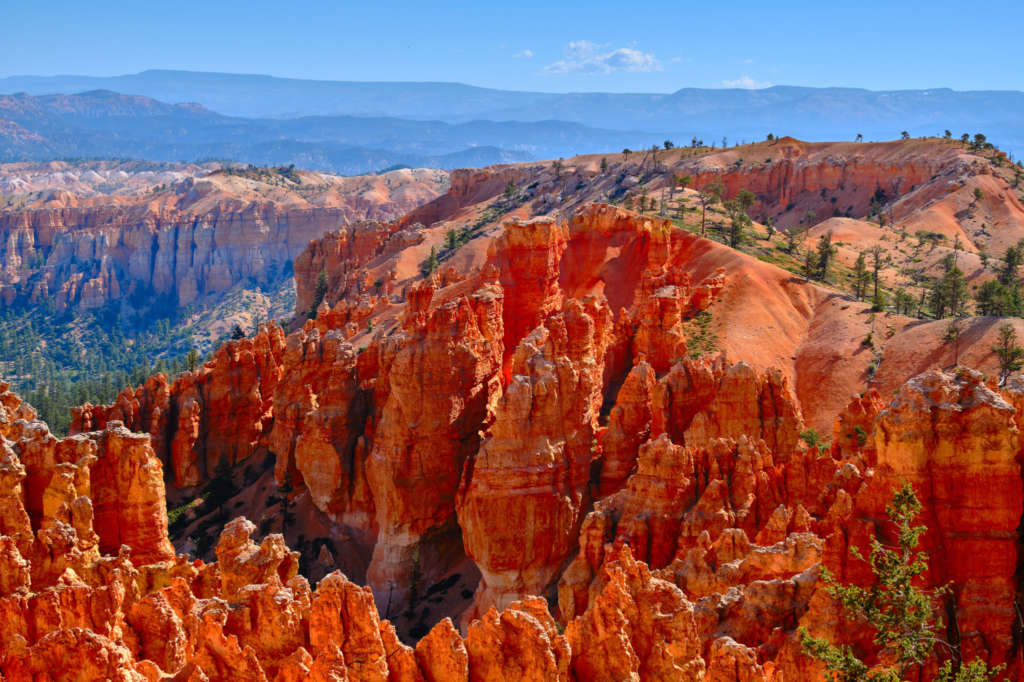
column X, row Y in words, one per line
column 222, row 410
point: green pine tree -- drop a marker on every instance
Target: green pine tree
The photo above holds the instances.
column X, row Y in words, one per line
column 1009, row 352
column 221, row 487
column 810, row 265
column 825, row 252
column 318, row 294
column 193, row 359
column 861, row 277
column 432, row 262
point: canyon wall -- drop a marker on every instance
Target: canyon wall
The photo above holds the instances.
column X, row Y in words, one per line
column 203, row 235
column 845, row 183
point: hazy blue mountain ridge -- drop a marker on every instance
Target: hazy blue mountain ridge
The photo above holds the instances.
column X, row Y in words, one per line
column 419, row 122
column 102, row 123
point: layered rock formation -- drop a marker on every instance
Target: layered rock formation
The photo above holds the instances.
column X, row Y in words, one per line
column 144, row 614
column 441, row 385
column 358, row 261
column 203, row 235
column 528, row 255
column 804, row 174
column 320, row 410
column 531, row 473
column 639, row 627
column 958, row 442
column 341, row 256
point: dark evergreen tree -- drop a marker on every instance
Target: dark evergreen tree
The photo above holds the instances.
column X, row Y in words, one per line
column 432, row 262
column 860, row 277
column 905, row 302
column 879, row 259
column 319, row 291
column 810, row 264
column 948, row 296
column 221, row 487
column 995, row 298
column 1009, row 352
column 825, row 251
column 1012, row 260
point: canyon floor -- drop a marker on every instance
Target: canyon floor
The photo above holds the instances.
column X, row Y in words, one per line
column 525, row 432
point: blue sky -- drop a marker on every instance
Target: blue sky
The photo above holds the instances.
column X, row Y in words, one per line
column 594, row 46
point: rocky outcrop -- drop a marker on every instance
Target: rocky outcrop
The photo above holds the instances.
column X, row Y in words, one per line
column 341, row 256
column 639, row 627
column 682, row 502
column 957, row 441
column 629, row 425
column 442, row 374
column 466, row 187
column 805, row 174
column 358, row 260
column 320, row 411
column 126, row 488
column 701, row 566
column 528, row 256
column 575, row 449
column 529, row 479
column 234, row 394
column 699, row 401
column 520, row 643
column 221, row 411
column 250, row 616
column 144, row 410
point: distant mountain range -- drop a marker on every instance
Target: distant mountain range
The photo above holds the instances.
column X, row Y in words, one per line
column 356, row 126
column 106, row 124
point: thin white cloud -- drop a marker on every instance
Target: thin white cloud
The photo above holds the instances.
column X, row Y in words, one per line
column 676, row 60
column 748, row 61
column 747, row 83
column 583, row 56
column 525, row 54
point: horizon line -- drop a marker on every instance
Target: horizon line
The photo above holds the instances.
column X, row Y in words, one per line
column 484, row 87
